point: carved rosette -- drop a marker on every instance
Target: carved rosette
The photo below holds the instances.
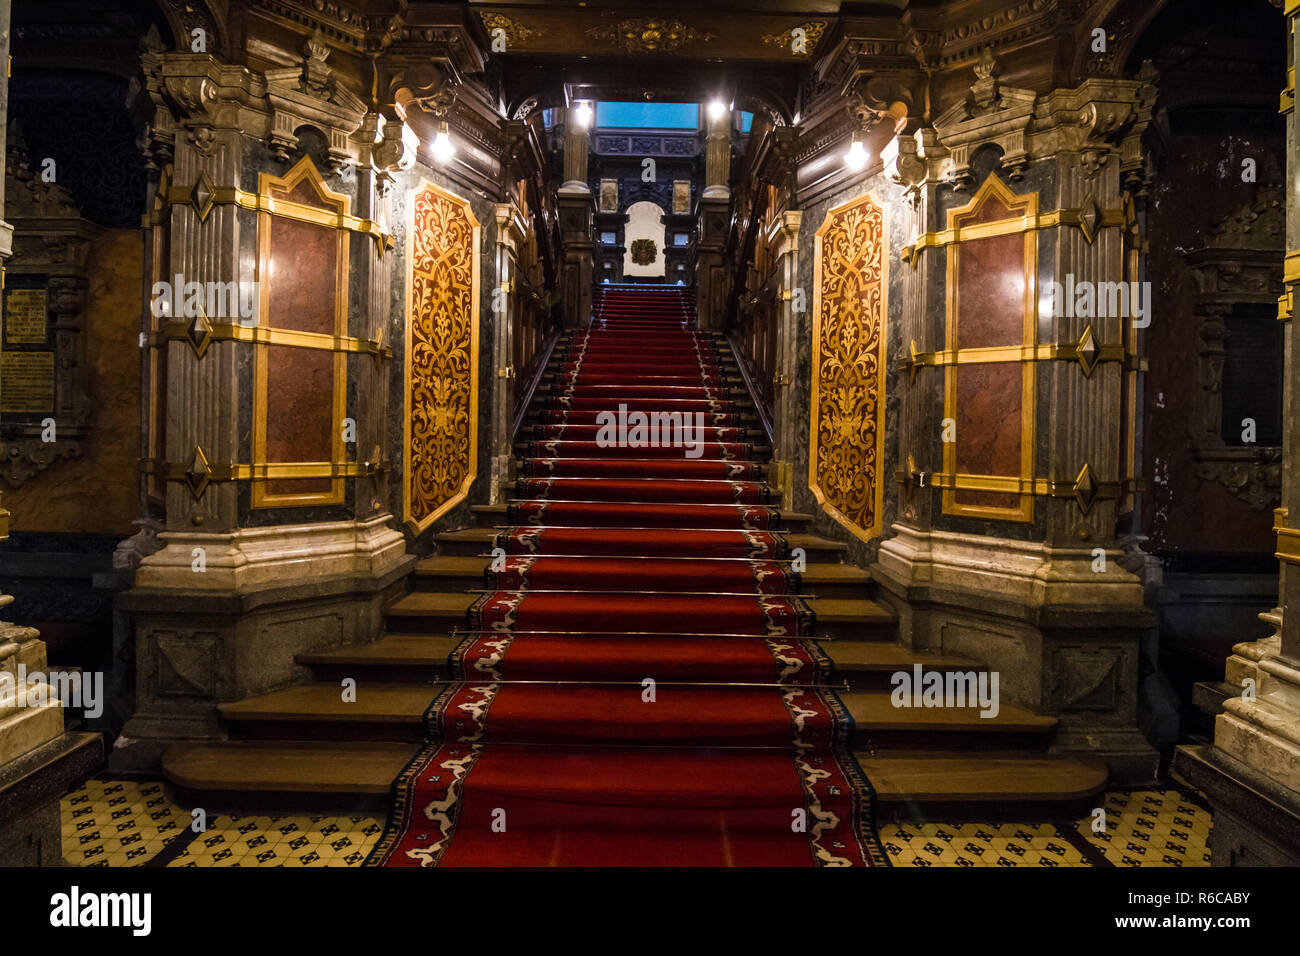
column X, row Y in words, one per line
column 441, row 354
column 846, row 446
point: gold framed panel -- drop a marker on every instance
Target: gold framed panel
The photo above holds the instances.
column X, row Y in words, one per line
column 268, row 208
column 440, row 425
column 846, row 441
column 1024, row 219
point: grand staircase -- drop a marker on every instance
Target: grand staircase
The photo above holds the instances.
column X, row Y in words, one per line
column 608, row 565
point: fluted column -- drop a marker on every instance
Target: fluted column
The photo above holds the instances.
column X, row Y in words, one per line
column 577, row 146
column 577, row 207
column 717, row 156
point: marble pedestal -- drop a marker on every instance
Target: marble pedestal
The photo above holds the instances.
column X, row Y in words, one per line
column 234, row 631
column 1063, row 638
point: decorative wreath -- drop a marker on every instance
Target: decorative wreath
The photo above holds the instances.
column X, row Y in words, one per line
column 643, row 251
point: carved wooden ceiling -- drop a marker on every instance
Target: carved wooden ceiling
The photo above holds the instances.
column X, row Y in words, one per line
column 486, row 66
column 711, row 32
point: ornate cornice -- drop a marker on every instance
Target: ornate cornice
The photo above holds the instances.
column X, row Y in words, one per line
column 784, row 40
column 514, row 31
column 1092, row 120
column 650, row 34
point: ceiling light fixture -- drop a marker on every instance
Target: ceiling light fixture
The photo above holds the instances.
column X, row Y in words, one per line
column 857, row 156
column 442, row 148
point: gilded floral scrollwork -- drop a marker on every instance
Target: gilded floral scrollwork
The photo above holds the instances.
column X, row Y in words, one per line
column 441, row 354
column 848, row 361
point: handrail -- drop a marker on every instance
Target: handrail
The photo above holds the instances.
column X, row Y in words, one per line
column 527, row 398
column 763, row 418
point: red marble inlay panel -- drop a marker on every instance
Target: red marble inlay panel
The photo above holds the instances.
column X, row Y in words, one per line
column 991, row 292
column 302, row 285
column 986, row 499
column 299, row 413
column 987, row 408
column 992, row 209
column 305, row 194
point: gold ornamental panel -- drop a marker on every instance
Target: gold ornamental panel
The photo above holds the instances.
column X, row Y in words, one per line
column 441, row 441
column 850, row 309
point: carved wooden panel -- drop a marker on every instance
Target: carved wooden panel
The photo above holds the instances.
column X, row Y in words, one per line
column 850, row 308
column 441, row 354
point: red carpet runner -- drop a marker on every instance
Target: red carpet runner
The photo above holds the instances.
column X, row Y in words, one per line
column 637, row 686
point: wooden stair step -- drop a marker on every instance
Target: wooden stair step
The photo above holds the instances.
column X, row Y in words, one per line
column 870, row 664
column 1208, row 696
column 467, row 571
column 381, row 711
column 492, row 515
column 396, row 657
column 297, row 770
column 435, row 605
column 814, row 544
column 414, row 657
column 394, row 711
column 478, row 540
column 983, row 779
column 879, row 725
column 339, row 767
column 836, row 617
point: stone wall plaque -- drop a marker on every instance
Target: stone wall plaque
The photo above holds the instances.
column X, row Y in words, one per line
column 27, row 382
column 25, row 316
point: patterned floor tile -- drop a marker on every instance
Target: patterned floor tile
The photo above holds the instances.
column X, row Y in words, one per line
column 1162, row 827
column 128, row 823
column 119, row 822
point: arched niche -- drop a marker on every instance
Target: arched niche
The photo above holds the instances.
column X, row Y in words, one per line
column 645, row 223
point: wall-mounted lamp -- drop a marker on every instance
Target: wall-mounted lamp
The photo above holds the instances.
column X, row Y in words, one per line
column 442, row 148
column 857, row 156
column 582, row 115
column 717, row 110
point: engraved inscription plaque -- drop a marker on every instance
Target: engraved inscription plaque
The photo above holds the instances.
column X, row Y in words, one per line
column 24, row 316
column 27, row 382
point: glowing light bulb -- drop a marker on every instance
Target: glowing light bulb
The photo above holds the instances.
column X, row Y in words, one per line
column 717, row 109
column 442, row 148
column 583, row 115
column 857, row 156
